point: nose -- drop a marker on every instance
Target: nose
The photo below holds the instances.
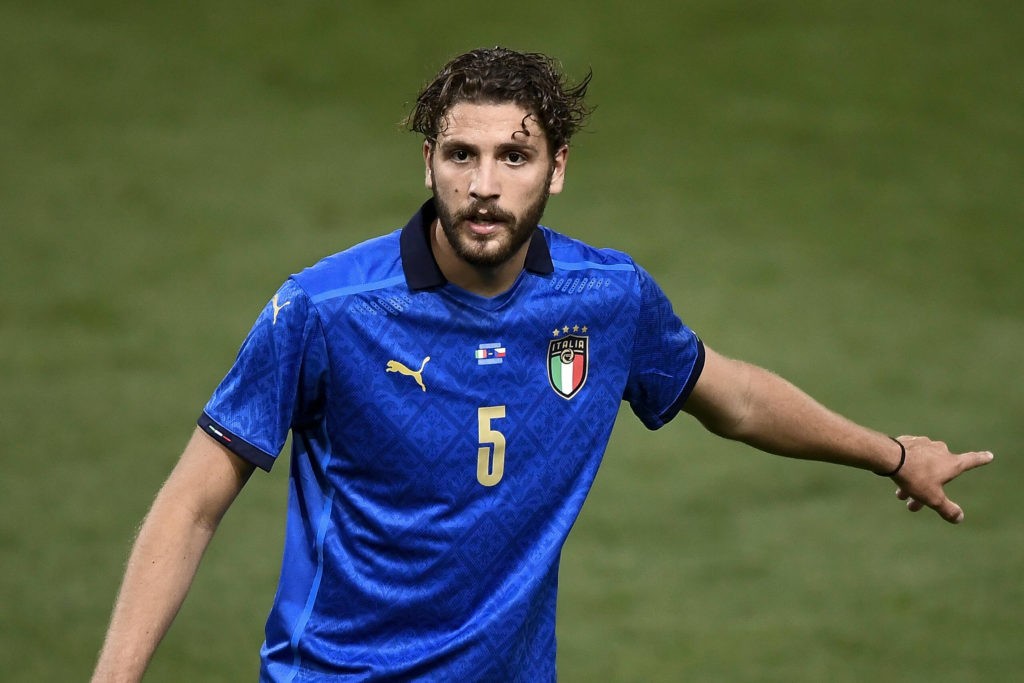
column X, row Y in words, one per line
column 485, row 183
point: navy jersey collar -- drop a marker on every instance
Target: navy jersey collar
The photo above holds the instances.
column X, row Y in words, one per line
column 421, row 269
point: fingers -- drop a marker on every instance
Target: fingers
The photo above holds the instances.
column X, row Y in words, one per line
column 947, row 509
column 912, row 504
column 922, row 486
column 968, row 461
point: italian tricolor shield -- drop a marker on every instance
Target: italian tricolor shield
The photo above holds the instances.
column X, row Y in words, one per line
column 567, row 364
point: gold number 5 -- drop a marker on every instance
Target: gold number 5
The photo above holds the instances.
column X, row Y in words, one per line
column 490, row 457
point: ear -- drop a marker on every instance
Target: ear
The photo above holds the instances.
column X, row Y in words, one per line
column 558, row 169
column 428, row 153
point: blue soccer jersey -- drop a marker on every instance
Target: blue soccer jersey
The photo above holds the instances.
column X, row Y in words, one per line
column 443, row 445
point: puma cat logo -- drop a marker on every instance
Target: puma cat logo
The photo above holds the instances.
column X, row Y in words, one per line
column 395, row 366
column 277, row 309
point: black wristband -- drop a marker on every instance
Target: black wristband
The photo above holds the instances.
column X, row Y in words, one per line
column 903, row 459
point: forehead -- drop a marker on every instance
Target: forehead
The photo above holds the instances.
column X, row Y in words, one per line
column 494, row 123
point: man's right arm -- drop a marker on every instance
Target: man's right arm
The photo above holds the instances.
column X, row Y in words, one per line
column 166, row 554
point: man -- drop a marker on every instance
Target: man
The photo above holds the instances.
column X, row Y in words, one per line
column 450, row 388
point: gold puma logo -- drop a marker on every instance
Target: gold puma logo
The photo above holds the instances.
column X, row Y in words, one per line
column 277, row 309
column 395, row 366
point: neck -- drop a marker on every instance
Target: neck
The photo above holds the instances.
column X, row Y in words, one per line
column 488, row 281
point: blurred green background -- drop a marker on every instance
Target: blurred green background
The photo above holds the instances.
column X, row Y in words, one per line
column 830, row 189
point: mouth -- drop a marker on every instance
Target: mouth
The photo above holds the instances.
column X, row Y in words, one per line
column 483, row 226
column 484, row 222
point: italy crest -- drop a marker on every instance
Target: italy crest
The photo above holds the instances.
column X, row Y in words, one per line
column 568, row 361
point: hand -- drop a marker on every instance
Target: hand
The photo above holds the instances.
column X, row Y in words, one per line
column 929, row 466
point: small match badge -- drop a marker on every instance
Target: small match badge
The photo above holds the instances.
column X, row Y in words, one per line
column 490, row 354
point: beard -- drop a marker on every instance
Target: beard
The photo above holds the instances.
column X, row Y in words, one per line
column 489, row 251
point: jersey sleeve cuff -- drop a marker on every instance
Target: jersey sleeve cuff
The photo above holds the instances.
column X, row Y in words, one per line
column 234, row 443
column 691, row 382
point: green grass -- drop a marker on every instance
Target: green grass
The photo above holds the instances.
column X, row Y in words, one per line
column 832, row 190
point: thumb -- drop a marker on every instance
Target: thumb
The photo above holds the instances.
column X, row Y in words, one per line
column 949, row 511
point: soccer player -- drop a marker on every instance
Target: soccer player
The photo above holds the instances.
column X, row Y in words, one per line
column 450, row 388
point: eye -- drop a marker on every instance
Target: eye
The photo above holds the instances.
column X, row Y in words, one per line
column 515, row 158
column 460, row 155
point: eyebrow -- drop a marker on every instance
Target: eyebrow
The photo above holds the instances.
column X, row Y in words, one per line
column 505, row 147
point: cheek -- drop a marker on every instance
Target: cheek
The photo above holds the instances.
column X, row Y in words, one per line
column 447, row 184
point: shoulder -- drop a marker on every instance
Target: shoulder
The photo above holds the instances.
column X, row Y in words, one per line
column 372, row 264
column 578, row 263
column 569, row 253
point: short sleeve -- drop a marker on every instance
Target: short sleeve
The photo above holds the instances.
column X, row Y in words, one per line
column 275, row 382
column 667, row 358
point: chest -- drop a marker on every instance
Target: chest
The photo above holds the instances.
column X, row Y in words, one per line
column 429, row 388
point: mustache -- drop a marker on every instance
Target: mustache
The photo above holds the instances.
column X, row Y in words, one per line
column 485, row 212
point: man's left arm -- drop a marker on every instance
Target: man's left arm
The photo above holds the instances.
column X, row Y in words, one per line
column 740, row 401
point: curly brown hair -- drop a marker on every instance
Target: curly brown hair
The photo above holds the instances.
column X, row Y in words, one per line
column 531, row 80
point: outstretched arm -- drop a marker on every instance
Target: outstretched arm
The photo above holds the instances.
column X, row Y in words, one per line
column 740, row 401
column 166, row 554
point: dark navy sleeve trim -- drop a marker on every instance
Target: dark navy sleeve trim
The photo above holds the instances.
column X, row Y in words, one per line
column 691, row 382
column 235, row 444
